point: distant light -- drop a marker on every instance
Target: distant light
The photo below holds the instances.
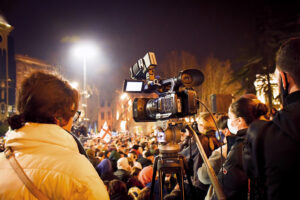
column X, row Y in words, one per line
column 117, row 115
column 85, row 49
column 130, row 102
column 123, row 125
column 74, row 85
column 187, row 120
column 123, row 96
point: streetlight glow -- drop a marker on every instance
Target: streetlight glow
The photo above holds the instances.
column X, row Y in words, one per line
column 85, row 49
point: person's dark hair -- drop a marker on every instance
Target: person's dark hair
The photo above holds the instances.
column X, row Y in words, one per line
column 222, row 122
column 248, row 109
column 135, row 171
column 117, row 187
column 288, row 58
column 43, row 98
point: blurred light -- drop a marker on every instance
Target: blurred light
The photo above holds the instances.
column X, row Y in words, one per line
column 85, row 49
column 123, row 125
column 117, row 115
column 123, row 96
column 192, row 120
column 74, row 84
column 130, row 102
column 187, row 120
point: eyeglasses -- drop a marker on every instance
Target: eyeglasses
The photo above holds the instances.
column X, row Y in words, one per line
column 76, row 116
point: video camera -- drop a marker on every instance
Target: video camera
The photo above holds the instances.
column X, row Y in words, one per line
column 177, row 98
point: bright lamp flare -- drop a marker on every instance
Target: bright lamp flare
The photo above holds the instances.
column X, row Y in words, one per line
column 85, row 49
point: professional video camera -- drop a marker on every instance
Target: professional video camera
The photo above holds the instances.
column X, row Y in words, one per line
column 177, row 98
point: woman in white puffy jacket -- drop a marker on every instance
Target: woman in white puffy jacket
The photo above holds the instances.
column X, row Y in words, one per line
column 42, row 146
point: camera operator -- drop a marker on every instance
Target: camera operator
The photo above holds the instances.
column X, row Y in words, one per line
column 271, row 156
column 209, row 142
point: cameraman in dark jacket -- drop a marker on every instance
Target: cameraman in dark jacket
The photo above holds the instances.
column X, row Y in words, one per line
column 272, row 154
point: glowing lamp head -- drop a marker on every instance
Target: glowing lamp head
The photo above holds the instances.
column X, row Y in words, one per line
column 85, row 49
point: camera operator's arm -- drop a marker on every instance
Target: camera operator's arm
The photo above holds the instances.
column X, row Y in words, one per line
column 215, row 161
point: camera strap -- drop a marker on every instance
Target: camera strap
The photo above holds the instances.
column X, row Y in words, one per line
column 10, row 156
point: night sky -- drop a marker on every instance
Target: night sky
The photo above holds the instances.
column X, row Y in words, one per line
column 126, row 30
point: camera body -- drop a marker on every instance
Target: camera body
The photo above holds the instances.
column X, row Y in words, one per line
column 177, row 98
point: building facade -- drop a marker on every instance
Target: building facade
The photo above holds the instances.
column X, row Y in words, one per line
column 7, row 71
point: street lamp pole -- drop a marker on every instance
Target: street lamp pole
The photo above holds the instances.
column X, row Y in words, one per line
column 84, row 87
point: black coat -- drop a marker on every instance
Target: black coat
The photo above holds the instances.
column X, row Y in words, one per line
column 144, row 162
column 233, row 178
column 122, row 175
column 272, row 154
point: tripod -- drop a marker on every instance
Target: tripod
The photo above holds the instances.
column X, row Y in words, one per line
column 170, row 164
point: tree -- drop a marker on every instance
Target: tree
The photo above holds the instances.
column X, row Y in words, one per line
column 175, row 62
column 274, row 23
column 217, row 75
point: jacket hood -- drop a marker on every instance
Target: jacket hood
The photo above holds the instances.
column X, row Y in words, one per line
column 104, row 167
column 31, row 135
column 288, row 119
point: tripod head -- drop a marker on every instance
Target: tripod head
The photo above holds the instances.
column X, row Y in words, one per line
column 168, row 146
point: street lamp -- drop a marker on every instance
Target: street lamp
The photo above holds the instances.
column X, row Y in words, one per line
column 85, row 50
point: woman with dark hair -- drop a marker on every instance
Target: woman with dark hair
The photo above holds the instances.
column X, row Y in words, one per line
column 42, row 158
column 232, row 177
column 117, row 190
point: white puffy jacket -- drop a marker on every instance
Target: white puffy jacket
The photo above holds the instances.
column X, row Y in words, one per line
column 50, row 158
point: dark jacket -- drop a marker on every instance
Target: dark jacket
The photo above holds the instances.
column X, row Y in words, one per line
column 144, row 162
column 233, row 178
column 271, row 156
column 105, row 171
column 122, row 175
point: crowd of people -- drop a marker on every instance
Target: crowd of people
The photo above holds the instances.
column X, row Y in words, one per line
column 254, row 152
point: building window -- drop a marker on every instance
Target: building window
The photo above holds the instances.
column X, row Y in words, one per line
column 108, row 104
column 102, row 115
column 102, row 103
column 108, row 116
column 2, row 94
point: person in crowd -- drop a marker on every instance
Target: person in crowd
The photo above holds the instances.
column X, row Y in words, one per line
column 215, row 159
column 92, row 157
column 147, row 159
column 39, row 140
column 114, row 157
column 105, row 170
column 271, row 154
column 117, row 190
column 123, row 172
column 209, row 142
column 145, row 175
column 144, row 194
column 232, row 177
column 133, row 180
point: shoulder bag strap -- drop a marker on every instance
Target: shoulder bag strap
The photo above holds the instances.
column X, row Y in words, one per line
column 10, row 156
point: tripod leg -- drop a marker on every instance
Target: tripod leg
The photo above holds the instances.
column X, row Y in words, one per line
column 153, row 178
column 179, row 175
column 163, row 179
column 160, row 184
column 188, row 175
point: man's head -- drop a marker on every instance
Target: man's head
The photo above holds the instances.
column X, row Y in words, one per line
column 288, row 62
